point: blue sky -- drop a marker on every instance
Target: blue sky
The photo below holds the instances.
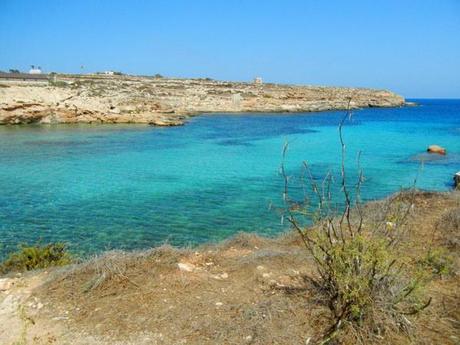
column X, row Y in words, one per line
column 411, row 47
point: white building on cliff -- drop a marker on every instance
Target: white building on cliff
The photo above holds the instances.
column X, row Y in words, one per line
column 35, row 70
column 258, row 80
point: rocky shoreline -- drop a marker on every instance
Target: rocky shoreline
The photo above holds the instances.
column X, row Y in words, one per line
column 167, row 102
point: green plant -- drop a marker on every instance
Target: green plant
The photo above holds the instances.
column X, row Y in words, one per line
column 363, row 275
column 438, row 261
column 36, row 256
column 58, row 83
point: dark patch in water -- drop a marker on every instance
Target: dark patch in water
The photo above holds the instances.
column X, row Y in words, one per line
column 449, row 185
column 234, row 142
column 154, row 177
column 98, row 136
column 432, row 159
column 63, row 143
column 253, row 130
column 454, row 131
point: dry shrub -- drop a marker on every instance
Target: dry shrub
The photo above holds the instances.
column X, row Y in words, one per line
column 366, row 281
column 244, row 240
column 365, row 278
column 449, row 227
column 113, row 267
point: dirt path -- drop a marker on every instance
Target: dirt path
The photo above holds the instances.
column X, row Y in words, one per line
column 18, row 311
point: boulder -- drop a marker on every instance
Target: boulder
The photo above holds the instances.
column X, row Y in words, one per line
column 457, row 180
column 436, row 149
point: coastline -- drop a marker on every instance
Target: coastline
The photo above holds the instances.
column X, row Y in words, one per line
column 169, row 102
column 247, row 289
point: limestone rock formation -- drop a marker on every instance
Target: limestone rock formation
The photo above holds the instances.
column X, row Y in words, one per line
column 168, row 102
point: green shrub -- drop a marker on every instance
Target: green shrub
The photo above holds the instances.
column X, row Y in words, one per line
column 364, row 279
column 37, row 256
column 352, row 289
column 364, row 276
column 58, row 83
column 438, row 261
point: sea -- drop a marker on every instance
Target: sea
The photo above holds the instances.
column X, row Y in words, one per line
column 102, row 187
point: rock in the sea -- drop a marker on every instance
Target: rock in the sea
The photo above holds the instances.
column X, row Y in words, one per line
column 457, row 180
column 436, row 149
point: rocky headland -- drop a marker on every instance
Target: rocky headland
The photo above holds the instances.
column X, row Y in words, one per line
column 167, row 102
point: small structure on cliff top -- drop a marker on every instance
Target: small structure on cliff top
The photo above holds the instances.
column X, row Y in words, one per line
column 35, row 70
column 258, row 80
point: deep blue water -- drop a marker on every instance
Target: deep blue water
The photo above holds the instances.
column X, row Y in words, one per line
column 98, row 187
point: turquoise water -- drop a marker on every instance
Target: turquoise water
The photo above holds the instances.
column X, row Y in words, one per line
column 99, row 187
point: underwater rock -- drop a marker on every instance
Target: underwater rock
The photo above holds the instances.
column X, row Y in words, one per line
column 425, row 158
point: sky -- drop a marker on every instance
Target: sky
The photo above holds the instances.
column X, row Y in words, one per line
column 410, row 47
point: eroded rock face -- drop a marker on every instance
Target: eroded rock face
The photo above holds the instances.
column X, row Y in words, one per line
column 168, row 102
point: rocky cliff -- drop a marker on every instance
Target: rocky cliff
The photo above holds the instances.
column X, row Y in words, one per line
column 167, row 102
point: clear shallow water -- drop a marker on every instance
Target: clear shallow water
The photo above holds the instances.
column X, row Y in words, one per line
column 99, row 187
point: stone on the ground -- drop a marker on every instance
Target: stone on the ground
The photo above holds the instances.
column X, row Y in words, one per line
column 186, row 267
column 5, row 284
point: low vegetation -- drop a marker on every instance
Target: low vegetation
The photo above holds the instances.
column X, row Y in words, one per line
column 365, row 279
column 363, row 273
column 449, row 226
column 59, row 83
column 438, row 261
column 37, row 256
